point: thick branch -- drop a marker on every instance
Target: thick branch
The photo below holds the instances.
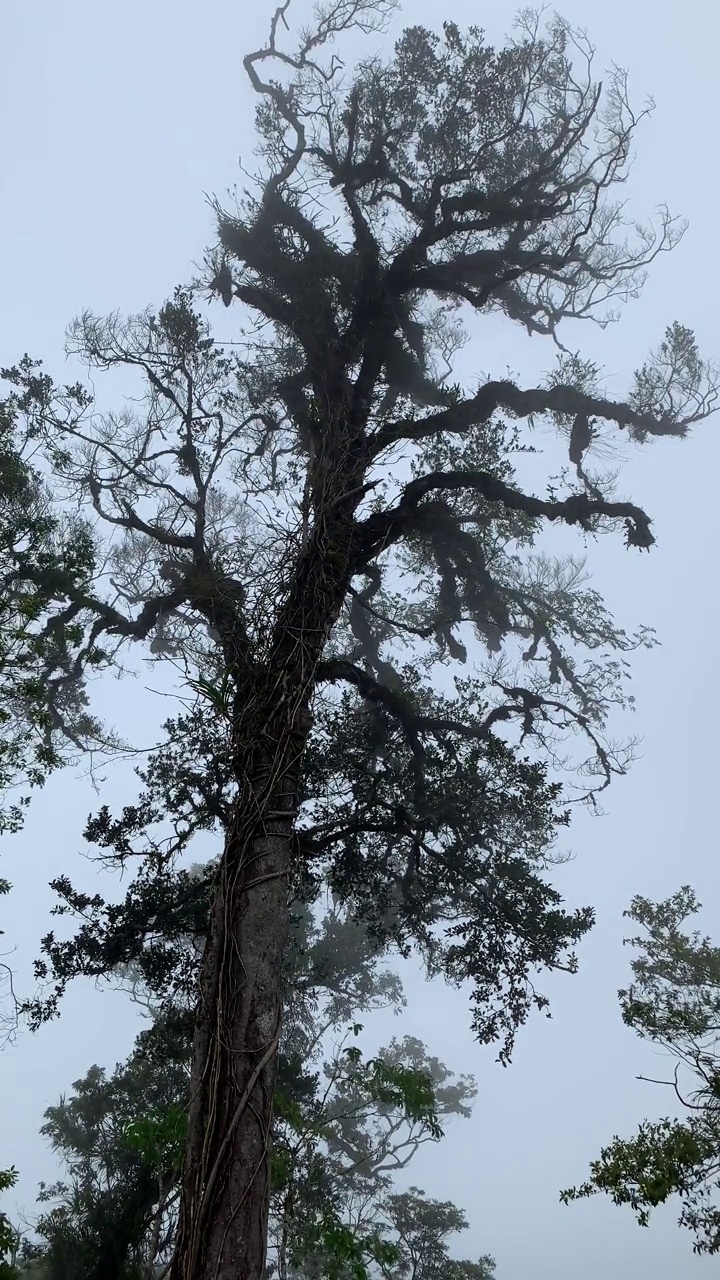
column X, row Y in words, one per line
column 386, row 527
column 117, row 623
column 523, row 404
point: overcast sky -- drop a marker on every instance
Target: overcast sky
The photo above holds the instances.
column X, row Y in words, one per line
column 115, row 120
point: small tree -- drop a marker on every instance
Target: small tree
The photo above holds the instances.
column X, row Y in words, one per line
column 674, row 1002
column 311, row 528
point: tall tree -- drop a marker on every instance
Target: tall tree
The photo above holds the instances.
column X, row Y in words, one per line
column 309, row 529
column 673, row 1002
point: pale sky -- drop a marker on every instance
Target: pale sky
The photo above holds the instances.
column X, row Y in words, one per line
column 115, row 119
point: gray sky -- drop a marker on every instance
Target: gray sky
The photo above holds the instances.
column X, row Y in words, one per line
column 115, row 120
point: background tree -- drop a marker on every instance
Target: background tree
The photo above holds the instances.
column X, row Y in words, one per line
column 122, row 1140
column 674, row 1002
column 311, row 528
column 421, row 1228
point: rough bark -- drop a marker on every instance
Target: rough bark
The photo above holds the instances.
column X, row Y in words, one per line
column 223, row 1223
column 226, row 1181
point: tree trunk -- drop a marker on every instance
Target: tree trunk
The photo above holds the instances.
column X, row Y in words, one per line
column 223, row 1222
column 226, row 1182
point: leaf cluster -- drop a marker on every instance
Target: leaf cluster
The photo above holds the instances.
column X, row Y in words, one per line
column 674, row 1002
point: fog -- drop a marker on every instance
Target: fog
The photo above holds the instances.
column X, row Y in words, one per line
column 116, row 119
